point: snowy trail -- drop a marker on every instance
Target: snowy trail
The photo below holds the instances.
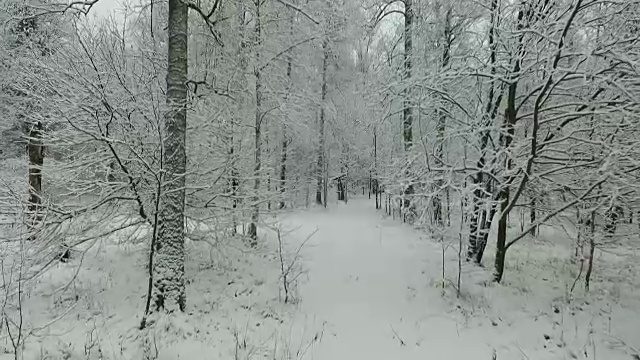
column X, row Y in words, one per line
column 369, row 283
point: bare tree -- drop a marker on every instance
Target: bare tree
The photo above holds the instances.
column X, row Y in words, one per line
column 169, row 293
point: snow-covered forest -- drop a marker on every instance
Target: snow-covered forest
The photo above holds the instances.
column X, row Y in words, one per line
column 319, row 179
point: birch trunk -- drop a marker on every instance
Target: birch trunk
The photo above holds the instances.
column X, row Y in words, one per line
column 407, row 113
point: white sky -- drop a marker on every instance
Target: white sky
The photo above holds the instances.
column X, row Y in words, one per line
column 104, row 8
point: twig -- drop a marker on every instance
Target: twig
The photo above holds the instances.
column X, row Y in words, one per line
column 402, row 343
column 154, row 240
column 579, row 274
column 289, row 5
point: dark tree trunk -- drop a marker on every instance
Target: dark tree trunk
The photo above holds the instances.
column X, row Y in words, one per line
column 592, row 248
column 285, row 139
column 506, row 138
column 480, row 222
column 234, row 182
column 168, row 290
column 375, row 169
column 321, row 147
column 35, row 149
column 503, row 198
column 532, row 217
column 255, row 214
column 283, row 166
column 501, row 243
column 504, row 194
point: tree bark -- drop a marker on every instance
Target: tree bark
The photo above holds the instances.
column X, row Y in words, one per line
column 407, row 113
column 321, row 125
column 168, row 292
column 370, row 185
column 242, row 61
column 283, row 166
column 375, row 169
column 437, row 198
column 504, row 192
column 285, row 140
column 255, row 214
column 592, row 248
column 35, row 149
column 481, row 220
column 510, row 121
column 532, row 216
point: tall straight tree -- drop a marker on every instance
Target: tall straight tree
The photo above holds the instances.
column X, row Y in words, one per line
column 241, row 58
column 407, row 113
column 322, row 148
column 168, row 292
column 36, row 161
column 445, row 43
column 255, row 212
column 285, row 136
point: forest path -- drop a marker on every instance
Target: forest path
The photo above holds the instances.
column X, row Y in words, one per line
column 370, row 291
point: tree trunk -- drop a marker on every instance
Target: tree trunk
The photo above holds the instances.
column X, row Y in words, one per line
column 501, row 244
column 269, row 166
column 481, row 221
column 325, row 183
column 321, row 125
column 168, row 292
column 592, row 248
column 504, row 194
column 345, row 172
column 370, row 185
column 407, row 113
column 241, row 57
column 437, row 198
column 35, row 149
column 481, row 232
column 255, row 214
column 591, row 223
column 375, row 169
column 309, row 175
column 285, row 140
column 506, row 138
column 532, row 216
column 234, row 182
column 283, row 165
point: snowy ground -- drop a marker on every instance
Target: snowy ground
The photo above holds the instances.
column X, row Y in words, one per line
column 372, row 289
column 90, row 308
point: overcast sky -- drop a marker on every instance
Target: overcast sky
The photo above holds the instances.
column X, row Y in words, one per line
column 105, row 7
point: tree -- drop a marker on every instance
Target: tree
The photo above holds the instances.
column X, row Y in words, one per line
column 407, row 113
column 321, row 166
column 169, row 293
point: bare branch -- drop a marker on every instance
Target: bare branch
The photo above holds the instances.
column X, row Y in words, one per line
column 290, row 5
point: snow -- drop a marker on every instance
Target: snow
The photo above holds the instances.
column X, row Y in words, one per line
column 376, row 288
column 94, row 313
column 372, row 289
